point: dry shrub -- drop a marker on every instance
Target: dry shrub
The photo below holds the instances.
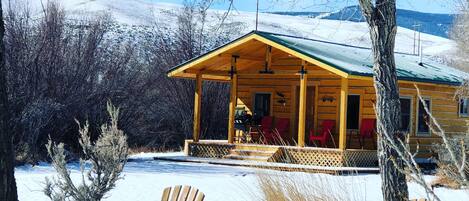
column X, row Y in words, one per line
column 442, row 180
column 314, row 187
column 451, row 174
column 106, row 158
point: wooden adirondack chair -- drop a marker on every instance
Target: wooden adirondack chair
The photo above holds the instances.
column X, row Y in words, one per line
column 180, row 193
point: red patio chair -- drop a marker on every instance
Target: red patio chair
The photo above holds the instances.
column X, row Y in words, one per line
column 367, row 130
column 279, row 133
column 255, row 132
column 324, row 134
column 266, row 124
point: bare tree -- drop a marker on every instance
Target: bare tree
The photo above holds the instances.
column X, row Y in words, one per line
column 7, row 177
column 62, row 68
column 381, row 18
column 460, row 34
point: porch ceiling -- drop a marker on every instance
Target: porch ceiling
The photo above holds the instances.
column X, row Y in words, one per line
column 251, row 56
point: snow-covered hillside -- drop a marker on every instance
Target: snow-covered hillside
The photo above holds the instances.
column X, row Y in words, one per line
column 144, row 12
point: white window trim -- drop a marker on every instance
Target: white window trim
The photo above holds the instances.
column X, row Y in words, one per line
column 417, row 133
column 411, row 111
column 459, row 109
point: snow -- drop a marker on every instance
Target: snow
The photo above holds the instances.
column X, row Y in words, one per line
column 145, row 179
column 253, row 163
column 141, row 12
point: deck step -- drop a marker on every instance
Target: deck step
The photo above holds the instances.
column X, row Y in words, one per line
column 241, row 152
column 252, row 147
column 252, row 153
column 250, row 158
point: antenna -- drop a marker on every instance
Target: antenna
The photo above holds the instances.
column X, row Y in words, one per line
column 420, row 52
column 416, row 28
column 413, row 52
column 420, row 48
column 257, row 13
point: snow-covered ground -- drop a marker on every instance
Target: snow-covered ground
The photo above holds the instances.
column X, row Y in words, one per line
column 145, row 12
column 145, row 179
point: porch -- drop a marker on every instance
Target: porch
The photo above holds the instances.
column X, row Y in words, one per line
column 309, row 156
column 322, row 100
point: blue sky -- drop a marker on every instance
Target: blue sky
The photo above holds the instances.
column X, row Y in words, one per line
column 431, row 6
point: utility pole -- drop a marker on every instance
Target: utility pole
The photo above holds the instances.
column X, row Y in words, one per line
column 257, row 14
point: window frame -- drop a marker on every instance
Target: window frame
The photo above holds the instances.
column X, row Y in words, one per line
column 417, row 133
column 411, row 109
column 459, row 108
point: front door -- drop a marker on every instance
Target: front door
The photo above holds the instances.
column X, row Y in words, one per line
column 353, row 112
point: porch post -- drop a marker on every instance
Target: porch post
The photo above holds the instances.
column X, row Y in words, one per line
column 197, row 107
column 302, row 105
column 343, row 114
column 233, row 100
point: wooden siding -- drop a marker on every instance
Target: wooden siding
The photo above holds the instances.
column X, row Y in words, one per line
column 443, row 105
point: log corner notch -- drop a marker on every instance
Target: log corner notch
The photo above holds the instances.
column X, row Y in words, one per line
column 302, row 105
column 197, row 107
column 233, row 99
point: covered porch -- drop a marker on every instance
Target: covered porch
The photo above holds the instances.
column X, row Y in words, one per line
column 280, row 90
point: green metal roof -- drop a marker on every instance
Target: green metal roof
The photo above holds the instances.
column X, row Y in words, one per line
column 359, row 61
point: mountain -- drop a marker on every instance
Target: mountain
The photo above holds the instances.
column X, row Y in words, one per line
column 315, row 25
column 430, row 23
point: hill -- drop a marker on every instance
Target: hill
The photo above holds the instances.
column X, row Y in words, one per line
column 321, row 26
column 431, row 23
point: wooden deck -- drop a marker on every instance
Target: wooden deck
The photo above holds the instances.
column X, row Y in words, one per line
column 306, row 156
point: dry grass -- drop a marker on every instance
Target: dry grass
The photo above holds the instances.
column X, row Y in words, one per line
column 306, row 187
column 447, row 176
column 444, row 181
column 137, row 150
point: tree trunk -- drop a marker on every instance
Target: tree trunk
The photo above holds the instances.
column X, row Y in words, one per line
column 7, row 178
column 381, row 18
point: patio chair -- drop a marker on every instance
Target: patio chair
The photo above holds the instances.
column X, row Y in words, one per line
column 187, row 193
column 278, row 134
column 324, row 134
column 367, row 130
column 255, row 132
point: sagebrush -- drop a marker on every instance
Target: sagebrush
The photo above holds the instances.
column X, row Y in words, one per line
column 101, row 165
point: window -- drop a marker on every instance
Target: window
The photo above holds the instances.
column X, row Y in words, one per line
column 423, row 119
column 464, row 107
column 406, row 105
column 353, row 111
column 262, row 104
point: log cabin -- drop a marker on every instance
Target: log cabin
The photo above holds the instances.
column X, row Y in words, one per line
column 307, row 83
